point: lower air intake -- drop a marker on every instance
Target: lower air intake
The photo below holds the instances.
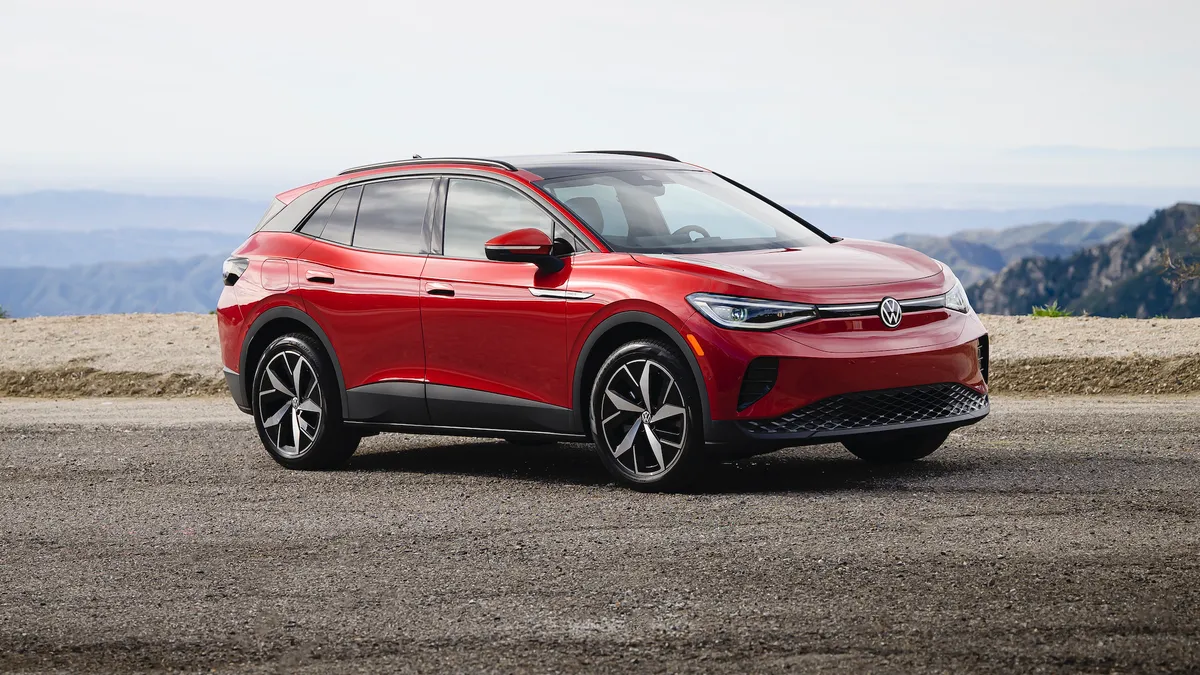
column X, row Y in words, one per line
column 871, row 409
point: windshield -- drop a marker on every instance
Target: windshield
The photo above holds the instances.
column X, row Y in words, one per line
column 677, row 212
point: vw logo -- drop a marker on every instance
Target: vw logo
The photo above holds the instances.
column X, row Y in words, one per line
column 646, row 417
column 890, row 312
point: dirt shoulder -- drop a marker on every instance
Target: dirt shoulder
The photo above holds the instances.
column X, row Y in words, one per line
column 178, row 355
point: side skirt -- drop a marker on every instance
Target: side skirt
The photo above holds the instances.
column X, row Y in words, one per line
column 473, row 432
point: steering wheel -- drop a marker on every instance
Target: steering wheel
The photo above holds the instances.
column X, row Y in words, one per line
column 688, row 229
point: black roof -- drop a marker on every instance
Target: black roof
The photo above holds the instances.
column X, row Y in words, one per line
column 560, row 165
column 563, row 165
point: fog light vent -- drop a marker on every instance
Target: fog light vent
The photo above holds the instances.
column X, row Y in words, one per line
column 760, row 377
column 982, row 349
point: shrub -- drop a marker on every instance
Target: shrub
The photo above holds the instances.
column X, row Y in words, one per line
column 1051, row 309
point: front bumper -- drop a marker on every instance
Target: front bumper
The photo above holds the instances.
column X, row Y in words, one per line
column 840, row 378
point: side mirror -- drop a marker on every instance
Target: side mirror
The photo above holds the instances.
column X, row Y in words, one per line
column 528, row 245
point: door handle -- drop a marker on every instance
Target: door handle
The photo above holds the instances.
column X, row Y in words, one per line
column 319, row 277
column 438, row 288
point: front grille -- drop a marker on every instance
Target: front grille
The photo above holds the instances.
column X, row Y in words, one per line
column 760, row 377
column 870, row 409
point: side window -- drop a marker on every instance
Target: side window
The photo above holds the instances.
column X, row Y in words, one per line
column 315, row 224
column 391, row 216
column 340, row 227
column 478, row 210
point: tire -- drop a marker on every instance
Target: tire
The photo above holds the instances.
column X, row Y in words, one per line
column 300, row 430
column 663, row 454
column 896, row 448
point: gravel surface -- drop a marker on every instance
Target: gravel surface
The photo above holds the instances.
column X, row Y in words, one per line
column 135, row 343
column 1059, row 535
column 1029, row 337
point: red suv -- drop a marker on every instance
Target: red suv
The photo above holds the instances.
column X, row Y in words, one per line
column 661, row 310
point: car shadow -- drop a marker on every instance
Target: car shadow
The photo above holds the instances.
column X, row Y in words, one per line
column 813, row 469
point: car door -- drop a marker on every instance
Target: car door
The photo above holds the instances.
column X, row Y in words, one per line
column 360, row 280
column 495, row 334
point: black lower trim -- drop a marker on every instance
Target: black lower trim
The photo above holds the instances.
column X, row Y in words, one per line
column 437, row 406
column 388, row 402
column 471, row 408
column 234, row 382
column 475, row 432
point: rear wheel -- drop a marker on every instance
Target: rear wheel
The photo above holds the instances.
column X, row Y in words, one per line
column 646, row 417
column 893, row 448
column 296, row 406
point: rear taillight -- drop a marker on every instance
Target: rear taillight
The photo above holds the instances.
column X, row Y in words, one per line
column 233, row 269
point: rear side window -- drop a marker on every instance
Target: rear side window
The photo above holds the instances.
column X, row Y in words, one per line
column 478, row 210
column 315, row 224
column 340, row 226
column 272, row 211
column 391, row 216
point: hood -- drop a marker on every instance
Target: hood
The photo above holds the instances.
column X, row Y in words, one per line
column 846, row 264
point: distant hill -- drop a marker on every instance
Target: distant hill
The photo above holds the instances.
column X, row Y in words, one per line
column 188, row 285
column 880, row 223
column 79, row 210
column 63, row 248
column 1122, row 277
column 975, row 255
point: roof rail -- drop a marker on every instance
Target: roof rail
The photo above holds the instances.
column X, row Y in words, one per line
column 634, row 153
column 431, row 160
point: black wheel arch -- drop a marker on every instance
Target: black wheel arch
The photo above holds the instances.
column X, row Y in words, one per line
column 274, row 316
column 579, row 398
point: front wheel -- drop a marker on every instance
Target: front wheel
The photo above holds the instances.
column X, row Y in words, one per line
column 893, row 448
column 646, row 417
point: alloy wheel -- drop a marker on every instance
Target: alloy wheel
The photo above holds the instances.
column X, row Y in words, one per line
column 644, row 418
column 290, row 404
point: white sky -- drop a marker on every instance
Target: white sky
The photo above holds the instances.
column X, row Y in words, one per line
column 832, row 100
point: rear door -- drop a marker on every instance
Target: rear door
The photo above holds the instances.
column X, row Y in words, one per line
column 495, row 333
column 360, row 280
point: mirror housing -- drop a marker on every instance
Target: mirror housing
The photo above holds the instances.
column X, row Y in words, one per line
column 529, row 245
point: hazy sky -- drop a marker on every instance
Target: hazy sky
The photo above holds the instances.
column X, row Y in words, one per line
column 820, row 101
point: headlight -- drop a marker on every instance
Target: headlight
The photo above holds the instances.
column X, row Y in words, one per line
column 956, row 299
column 748, row 313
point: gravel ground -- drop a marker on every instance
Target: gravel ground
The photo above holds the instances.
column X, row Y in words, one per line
column 1028, row 337
column 130, row 343
column 1059, row 535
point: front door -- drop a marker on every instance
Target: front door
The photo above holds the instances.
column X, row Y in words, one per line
column 360, row 280
column 495, row 334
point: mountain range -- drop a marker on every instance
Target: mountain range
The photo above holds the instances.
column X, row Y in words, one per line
column 975, row 255
column 187, row 285
column 79, row 252
column 1123, row 277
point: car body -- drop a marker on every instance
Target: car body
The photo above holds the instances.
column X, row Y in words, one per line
column 484, row 297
